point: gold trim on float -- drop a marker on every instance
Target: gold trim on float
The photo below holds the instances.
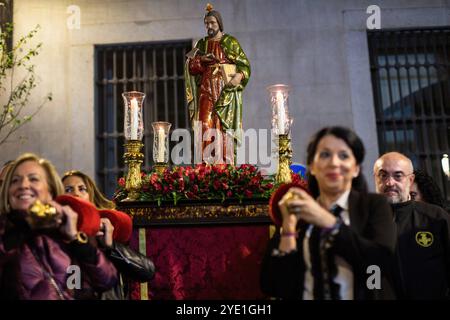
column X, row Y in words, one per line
column 143, row 250
column 198, row 211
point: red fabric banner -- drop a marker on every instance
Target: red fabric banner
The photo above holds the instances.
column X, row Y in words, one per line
column 214, row 262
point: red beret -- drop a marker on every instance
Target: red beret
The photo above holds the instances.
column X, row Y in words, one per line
column 123, row 225
column 274, row 209
column 88, row 216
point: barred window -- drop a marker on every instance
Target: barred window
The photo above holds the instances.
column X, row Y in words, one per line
column 410, row 71
column 155, row 68
column 6, row 16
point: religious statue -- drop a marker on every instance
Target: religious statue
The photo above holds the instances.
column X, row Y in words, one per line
column 216, row 72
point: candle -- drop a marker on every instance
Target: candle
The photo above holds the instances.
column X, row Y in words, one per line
column 161, row 144
column 134, row 117
column 281, row 112
column 445, row 165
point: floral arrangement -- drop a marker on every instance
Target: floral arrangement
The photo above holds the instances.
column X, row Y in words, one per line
column 203, row 181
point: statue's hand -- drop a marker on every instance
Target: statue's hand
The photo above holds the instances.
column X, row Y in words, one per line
column 236, row 80
column 208, row 58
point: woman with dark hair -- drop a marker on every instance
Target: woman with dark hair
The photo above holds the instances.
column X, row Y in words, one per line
column 79, row 184
column 331, row 240
column 132, row 265
column 425, row 189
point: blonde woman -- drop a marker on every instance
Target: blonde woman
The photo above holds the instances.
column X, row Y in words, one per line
column 34, row 263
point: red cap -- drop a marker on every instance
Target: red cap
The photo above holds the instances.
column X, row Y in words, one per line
column 123, row 225
column 88, row 216
column 274, row 209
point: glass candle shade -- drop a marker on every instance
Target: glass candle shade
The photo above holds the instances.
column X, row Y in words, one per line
column 446, row 165
column 279, row 94
column 161, row 141
column 133, row 125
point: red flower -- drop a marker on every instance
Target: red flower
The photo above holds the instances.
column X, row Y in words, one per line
column 207, row 169
column 180, row 184
column 154, row 178
column 190, row 195
column 204, row 181
column 254, row 181
column 157, row 186
column 219, row 168
column 177, row 175
column 217, row 185
column 296, row 178
column 248, row 193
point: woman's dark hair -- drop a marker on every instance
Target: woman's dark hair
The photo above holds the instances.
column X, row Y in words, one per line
column 352, row 141
column 428, row 188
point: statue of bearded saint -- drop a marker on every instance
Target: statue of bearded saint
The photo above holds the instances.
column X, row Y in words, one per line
column 216, row 72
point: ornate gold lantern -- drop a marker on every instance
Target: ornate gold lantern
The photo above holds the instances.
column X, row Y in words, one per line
column 134, row 131
column 281, row 125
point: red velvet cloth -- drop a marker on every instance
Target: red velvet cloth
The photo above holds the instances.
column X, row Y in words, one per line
column 220, row 262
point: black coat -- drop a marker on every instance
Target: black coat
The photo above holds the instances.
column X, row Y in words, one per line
column 423, row 250
column 369, row 240
column 132, row 266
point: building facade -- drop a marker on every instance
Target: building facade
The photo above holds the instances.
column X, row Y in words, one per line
column 320, row 48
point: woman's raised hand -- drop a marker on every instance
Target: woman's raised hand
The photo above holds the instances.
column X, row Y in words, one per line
column 68, row 219
column 106, row 231
column 298, row 204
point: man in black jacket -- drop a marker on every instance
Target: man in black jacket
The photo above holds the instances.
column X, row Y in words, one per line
column 423, row 232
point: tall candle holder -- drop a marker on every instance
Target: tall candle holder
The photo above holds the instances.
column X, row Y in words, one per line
column 284, row 161
column 161, row 144
column 281, row 125
column 134, row 131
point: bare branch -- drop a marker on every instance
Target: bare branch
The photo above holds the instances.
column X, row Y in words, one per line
column 11, row 118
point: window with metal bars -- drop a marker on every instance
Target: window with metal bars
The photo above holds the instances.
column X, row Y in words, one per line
column 410, row 71
column 155, row 68
column 6, row 17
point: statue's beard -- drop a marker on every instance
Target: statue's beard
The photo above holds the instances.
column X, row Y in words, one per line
column 212, row 33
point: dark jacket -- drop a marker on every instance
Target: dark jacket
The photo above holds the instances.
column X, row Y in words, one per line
column 132, row 266
column 369, row 240
column 423, row 250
